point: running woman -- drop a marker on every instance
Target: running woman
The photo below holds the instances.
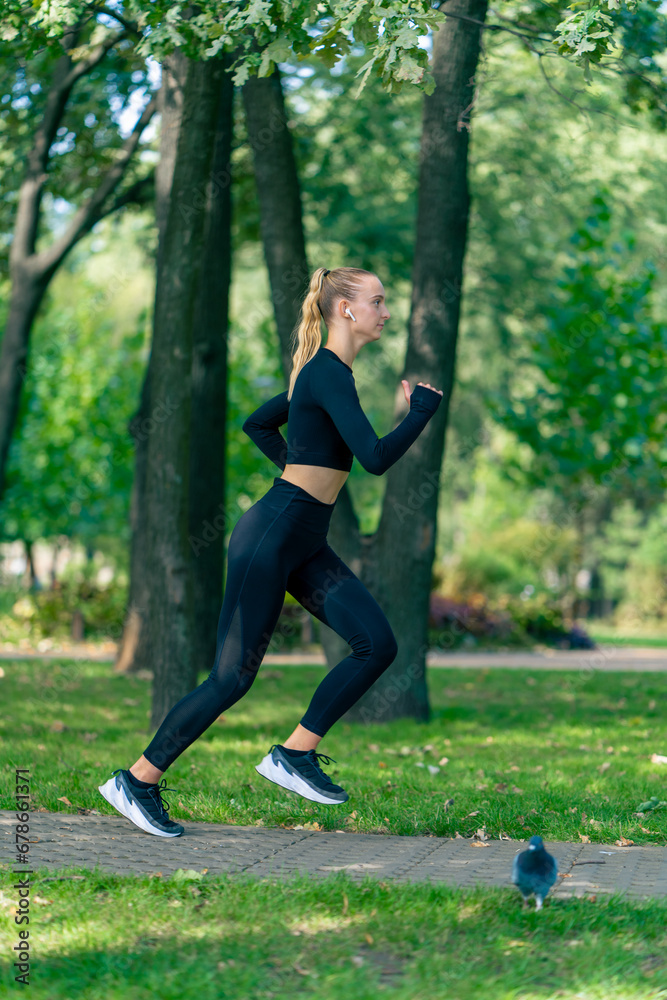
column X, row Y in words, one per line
column 280, row 544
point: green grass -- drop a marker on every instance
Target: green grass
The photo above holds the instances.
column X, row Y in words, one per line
column 108, row 937
column 610, row 638
column 558, row 753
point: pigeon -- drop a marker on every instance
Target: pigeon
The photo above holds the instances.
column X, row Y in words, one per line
column 534, row 871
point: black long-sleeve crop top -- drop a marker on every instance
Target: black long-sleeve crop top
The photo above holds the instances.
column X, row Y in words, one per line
column 325, row 422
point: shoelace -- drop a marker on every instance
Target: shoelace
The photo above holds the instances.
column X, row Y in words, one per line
column 160, row 801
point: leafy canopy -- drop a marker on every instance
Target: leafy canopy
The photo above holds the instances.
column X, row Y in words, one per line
column 265, row 32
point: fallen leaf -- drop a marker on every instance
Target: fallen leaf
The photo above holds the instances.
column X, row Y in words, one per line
column 300, row 970
column 481, row 834
column 624, row 842
column 653, row 803
column 433, row 769
column 443, row 761
column 517, row 791
column 458, row 836
column 58, row 726
column 604, row 767
column 63, row 798
column 501, row 787
column 658, row 758
column 369, row 938
column 373, row 747
column 584, row 838
column 475, row 813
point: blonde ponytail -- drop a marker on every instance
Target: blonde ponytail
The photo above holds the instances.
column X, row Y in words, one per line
column 326, row 287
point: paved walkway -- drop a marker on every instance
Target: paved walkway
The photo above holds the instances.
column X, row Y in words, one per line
column 605, row 658
column 116, row 845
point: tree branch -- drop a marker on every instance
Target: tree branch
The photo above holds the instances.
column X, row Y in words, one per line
column 130, row 26
column 93, row 210
column 64, row 77
column 84, row 67
column 137, row 194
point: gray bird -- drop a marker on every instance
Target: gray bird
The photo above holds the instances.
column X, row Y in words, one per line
column 534, row 871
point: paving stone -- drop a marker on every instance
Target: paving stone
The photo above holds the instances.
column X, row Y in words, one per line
column 114, row 844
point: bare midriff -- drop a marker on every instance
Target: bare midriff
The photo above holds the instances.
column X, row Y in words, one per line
column 322, row 483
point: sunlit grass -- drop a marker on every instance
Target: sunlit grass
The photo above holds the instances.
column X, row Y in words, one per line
column 553, row 752
column 107, row 937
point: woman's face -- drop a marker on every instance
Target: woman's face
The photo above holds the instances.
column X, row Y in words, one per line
column 369, row 309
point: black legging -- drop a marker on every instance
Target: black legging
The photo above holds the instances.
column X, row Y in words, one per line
column 280, row 544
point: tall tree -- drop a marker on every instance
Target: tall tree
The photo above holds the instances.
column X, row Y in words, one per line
column 209, row 387
column 404, row 545
column 169, row 106
column 32, row 266
column 169, row 627
column 209, row 383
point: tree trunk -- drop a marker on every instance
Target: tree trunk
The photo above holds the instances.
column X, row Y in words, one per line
column 168, row 631
column 404, row 545
column 132, row 655
column 26, row 296
column 209, row 393
column 279, row 198
column 127, row 658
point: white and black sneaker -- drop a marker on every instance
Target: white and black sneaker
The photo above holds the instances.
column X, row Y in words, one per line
column 300, row 772
column 145, row 807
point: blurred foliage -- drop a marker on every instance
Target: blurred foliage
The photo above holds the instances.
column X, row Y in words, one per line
column 645, row 593
column 591, row 405
column 89, row 138
column 50, row 613
column 542, row 168
column 71, row 461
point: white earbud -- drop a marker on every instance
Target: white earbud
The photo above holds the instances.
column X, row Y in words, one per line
column 350, row 315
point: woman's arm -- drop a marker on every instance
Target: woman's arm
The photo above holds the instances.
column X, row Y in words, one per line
column 262, row 427
column 336, row 392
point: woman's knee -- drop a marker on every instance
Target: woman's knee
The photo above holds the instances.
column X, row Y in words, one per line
column 386, row 648
column 231, row 683
column 379, row 649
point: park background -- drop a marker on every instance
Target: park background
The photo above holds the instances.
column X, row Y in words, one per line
column 550, row 510
column 550, row 507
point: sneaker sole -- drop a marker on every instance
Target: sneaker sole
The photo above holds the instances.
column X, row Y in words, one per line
column 130, row 810
column 277, row 773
